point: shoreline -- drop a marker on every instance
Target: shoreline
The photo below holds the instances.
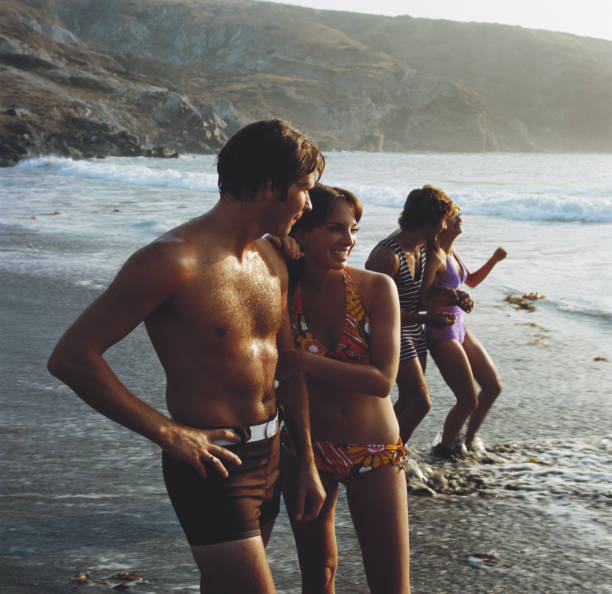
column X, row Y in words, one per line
column 84, row 153
column 82, row 494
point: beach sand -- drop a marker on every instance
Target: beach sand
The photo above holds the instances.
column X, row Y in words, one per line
column 533, row 548
column 81, row 494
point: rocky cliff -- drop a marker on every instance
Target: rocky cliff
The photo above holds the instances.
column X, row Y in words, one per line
column 128, row 77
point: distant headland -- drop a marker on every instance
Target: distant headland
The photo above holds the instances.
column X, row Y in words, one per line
column 91, row 78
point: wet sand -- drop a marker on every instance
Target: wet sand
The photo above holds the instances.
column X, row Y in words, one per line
column 534, row 551
column 535, row 554
column 80, row 494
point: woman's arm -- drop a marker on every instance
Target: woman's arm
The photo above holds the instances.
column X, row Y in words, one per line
column 383, row 259
column 287, row 245
column 377, row 377
column 434, row 269
column 433, row 295
column 475, row 278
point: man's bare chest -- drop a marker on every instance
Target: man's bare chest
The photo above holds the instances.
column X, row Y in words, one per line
column 232, row 300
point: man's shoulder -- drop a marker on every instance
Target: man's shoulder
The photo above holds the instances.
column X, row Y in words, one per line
column 274, row 260
column 197, row 236
column 171, row 257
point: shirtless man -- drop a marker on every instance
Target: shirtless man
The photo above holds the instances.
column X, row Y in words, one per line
column 213, row 298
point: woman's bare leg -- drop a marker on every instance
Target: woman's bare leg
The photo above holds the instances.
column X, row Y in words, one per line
column 315, row 540
column 378, row 502
column 486, row 375
column 454, row 366
column 413, row 401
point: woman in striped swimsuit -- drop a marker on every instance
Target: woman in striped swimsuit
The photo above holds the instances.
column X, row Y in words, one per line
column 403, row 256
column 346, row 326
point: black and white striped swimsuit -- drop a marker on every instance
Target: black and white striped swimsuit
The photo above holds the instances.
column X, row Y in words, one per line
column 413, row 340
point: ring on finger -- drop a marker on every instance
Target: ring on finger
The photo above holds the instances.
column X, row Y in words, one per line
column 212, row 460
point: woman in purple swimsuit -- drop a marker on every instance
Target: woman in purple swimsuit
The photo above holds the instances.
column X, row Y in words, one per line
column 461, row 359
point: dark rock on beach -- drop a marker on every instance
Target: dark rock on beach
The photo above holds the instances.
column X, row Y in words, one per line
column 78, row 138
column 526, row 301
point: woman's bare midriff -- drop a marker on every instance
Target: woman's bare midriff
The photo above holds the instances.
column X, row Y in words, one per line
column 349, row 417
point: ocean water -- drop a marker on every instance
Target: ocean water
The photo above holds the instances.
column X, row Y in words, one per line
column 82, row 494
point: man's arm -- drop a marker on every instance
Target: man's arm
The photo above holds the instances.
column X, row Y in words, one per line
column 293, row 396
column 147, row 279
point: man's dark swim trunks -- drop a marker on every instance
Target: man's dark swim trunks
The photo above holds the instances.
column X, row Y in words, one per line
column 219, row 510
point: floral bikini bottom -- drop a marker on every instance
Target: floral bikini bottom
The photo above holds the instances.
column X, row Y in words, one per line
column 346, row 461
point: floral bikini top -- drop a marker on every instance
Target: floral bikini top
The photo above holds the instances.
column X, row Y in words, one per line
column 354, row 342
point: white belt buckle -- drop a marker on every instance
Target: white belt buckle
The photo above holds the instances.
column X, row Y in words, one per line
column 272, row 428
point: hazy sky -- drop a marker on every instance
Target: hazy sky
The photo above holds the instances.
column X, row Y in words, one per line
column 592, row 18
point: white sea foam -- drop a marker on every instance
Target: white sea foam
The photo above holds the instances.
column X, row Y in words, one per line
column 528, row 205
column 570, row 206
column 98, row 211
column 135, row 172
column 496, row 194
column 561, row 471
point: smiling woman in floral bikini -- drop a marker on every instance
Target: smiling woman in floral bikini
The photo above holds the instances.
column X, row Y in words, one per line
column 346, row 323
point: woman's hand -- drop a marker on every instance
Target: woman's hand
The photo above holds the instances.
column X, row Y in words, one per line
column 499, row 254
column 464, row 301
column 440, row 319
column 291, row 249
